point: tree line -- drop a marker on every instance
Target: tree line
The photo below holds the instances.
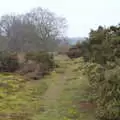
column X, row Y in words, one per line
column 39, row 29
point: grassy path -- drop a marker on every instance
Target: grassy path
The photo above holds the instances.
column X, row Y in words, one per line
column 53, row 93
column 65, row 88
column 55, row 97
column 55, row 89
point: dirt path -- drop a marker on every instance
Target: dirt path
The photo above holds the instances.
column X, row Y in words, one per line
column 54, row 91
column 51, row 100
column 51, row 97
column 63, row 86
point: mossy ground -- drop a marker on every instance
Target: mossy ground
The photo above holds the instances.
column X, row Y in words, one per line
column 19, row 99
column 55, row 97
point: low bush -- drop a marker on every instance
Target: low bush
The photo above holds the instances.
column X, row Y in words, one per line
column 79, row 50
column 40, row 57
column 102, row 52
column 74, row 52
column 8, row 62
column 37, row 64
column 106, row 84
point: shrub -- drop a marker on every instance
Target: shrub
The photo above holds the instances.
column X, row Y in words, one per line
column 106, row 83
column 41, row 63
column 40, row 57
column 79, row 50
column 74, row 52
column 8, row 62
column 95, row 73
column 109, row 100
column 102, row 48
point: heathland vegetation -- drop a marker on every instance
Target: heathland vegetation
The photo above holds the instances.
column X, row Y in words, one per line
column 43, row 77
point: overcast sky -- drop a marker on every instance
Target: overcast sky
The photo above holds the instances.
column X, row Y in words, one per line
column 80, row 14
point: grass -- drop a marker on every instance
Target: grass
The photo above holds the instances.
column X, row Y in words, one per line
column 57, row 96
column 19, row 99
column 75, row 92
column 71, row 92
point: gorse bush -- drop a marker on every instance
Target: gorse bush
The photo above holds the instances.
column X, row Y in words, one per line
column 103, row 45
column 41, row 57
column 8, row 62
column 101, row 51
column 74, row 52
column 106, row 84
column 95, row 74
column 79, row 50
column 109, row 100
column 103, row 70
column 37, row 64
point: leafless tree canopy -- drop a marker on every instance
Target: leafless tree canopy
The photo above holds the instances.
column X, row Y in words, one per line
column 38, row 29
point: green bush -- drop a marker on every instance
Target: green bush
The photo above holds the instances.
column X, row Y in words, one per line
column 79, row 50
column 74, row 52
column 41, row 63
column 102, row 52
column 106, row 83
column 95, row 74
column 8, row 62
column 109, row 100
column 41, row 58
column 29, row 56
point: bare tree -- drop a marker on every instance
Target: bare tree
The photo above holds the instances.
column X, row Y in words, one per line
column 49, row 27
column 39, row 28
column 6, row 22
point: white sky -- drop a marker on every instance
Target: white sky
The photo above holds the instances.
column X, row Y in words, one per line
column 80, row 14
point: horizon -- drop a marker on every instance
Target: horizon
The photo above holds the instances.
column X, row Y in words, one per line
column 80, row 15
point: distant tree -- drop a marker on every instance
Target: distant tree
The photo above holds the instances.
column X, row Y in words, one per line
column 49, row 27
column 3, row 43
column 35, row 30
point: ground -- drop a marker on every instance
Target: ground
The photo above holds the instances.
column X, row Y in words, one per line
column 61, row 95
